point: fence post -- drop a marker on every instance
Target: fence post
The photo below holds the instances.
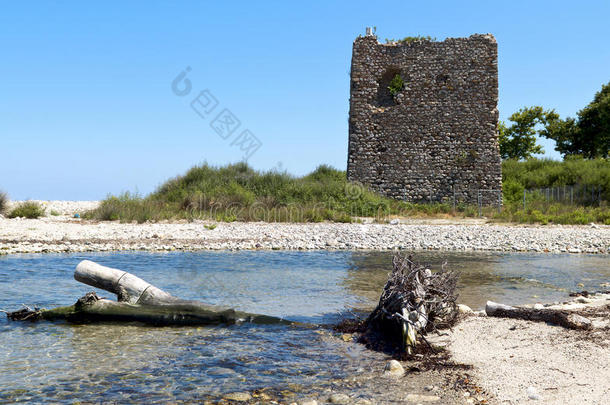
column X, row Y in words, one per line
column 524, row 191
column 479, row 200
column 453, row 187
column 571, row 195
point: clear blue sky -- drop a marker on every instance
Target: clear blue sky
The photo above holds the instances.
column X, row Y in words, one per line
column 86, row 106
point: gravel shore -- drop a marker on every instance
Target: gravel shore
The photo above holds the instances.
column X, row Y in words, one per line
column 62, row 233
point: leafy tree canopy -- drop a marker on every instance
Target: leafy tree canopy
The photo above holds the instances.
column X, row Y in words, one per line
column 587, row 136
column 518, row 141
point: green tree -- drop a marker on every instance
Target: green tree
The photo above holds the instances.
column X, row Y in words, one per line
column 518, row 141
column 589, row 135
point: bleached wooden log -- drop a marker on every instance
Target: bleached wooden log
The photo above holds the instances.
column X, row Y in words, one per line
column 137, row 301
column 558, row 317
column 127, row 287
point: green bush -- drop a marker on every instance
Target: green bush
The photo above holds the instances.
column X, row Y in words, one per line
column 543, row 173
column 28, row 209
column 512, row 191
column 396, row 85
column 3, row 201
column 129, row 207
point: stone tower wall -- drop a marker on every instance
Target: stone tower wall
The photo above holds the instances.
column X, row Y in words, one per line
column 438, row 136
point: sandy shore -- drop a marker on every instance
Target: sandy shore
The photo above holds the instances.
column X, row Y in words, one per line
column 518, row 361
column 63, row 233
column 497, row 361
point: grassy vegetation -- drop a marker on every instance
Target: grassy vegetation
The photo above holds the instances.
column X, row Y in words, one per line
column 410, row 39
column 544, row 173
column 28, row 209
column 239, row 193
column 3, row 202
column 545, row 213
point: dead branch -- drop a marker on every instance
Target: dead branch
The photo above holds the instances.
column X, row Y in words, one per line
column 557, row 317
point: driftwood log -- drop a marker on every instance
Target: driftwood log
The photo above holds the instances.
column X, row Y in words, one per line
column 137, row 301
column 557, row 317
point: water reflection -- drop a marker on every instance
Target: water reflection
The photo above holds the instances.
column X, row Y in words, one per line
column 508, row 278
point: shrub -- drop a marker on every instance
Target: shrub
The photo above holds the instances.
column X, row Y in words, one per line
column 396, row 85
column 512, row 191
column 3, row 201
column 342, row 217
column 28, row 209
column 129, row 207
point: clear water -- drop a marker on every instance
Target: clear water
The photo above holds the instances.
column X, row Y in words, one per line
column 61, row 362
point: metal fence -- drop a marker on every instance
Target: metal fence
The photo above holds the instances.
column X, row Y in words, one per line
column 489, row 195
column 466, row 196
column 579, row 194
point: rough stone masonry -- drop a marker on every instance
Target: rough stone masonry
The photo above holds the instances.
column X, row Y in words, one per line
column 435, row 138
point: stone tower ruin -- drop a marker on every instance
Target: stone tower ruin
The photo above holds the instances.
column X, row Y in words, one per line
column 436, row 136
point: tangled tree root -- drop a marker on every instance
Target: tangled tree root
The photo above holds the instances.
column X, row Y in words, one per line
column 414, row 301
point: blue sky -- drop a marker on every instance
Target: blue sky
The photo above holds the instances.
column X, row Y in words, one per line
column 87, row 108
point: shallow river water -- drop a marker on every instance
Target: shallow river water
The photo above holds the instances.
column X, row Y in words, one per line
column 46, row 362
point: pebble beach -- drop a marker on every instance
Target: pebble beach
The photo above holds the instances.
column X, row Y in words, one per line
column 61, row 232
